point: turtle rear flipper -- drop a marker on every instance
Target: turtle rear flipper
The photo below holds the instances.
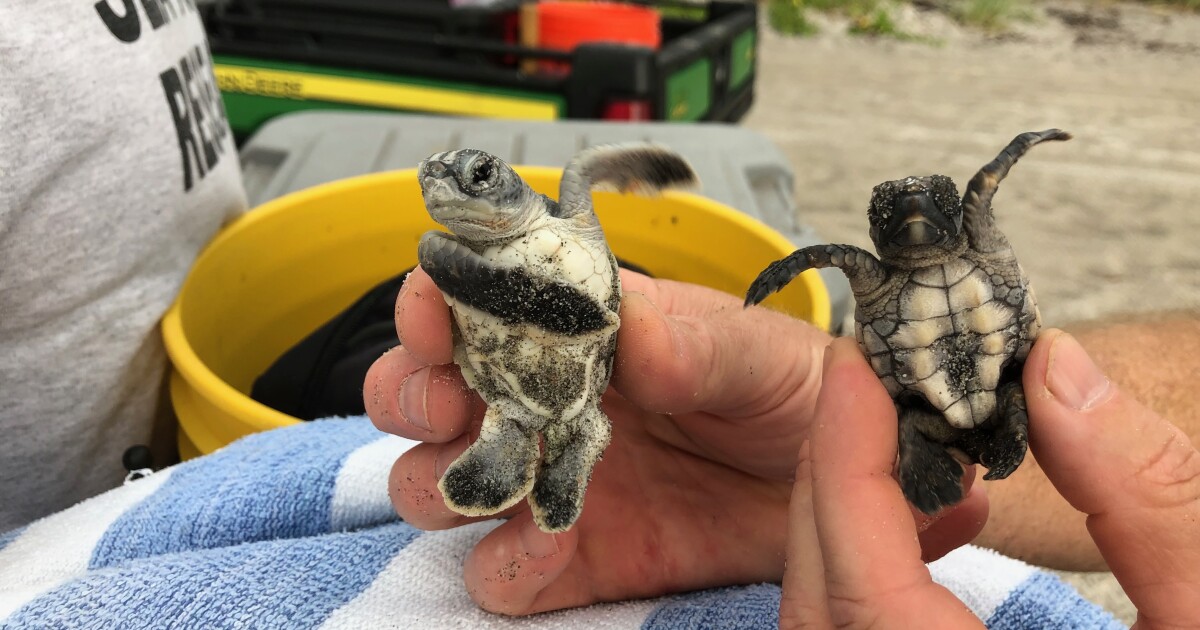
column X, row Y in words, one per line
column 929, row 476
column 640, row 167
column 497, row 470
column 557, row 497
column 1001, row 449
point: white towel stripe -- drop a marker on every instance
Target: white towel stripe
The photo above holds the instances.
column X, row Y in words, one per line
column 422, row 588
column 59, row 547
column 360, row 493
column 981, row 578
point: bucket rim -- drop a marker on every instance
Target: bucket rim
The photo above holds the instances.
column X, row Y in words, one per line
column 197, row 374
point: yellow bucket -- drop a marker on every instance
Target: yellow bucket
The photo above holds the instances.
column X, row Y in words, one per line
column 278, row 273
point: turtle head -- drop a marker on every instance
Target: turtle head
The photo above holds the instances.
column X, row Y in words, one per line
column 915, row 218
column 476, row 195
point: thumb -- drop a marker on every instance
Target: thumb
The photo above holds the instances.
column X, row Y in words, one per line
column 1134, row 474
column 731, row 361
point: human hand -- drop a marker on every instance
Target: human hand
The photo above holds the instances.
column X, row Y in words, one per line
column 709, row 404
column 1134, row 474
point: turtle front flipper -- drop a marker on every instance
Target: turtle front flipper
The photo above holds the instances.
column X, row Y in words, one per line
column 978, row 221
column 497, row 470
column 865, row 272
column 510, row 293
column 571, row 453
column 634, row 167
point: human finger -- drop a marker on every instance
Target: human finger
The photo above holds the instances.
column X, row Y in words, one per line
column 941, row 533
column 743, row 363
column 956, row 526
column 518, row 569
column 413, row 487
column 685, row 299
column 804, row 602
column 1134, row 474
column 405, row 396
column 868, row 537
column 423, row 319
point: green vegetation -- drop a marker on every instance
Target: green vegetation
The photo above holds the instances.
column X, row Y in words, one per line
column 872, row 18
column 878, row 23
column 788, row 17
column 875, row 18
column 991, row 15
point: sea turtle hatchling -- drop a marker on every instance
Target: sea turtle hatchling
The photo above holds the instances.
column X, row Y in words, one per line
column 534, row 292
column 946, row 317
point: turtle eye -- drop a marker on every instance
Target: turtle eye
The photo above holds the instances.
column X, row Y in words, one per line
column 483, row 171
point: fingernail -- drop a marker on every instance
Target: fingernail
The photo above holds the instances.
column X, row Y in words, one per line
column 536, row 543
column 831, row 354
column 404, row 287
column 400, row 296
column 1072, row 377
column 413, row 393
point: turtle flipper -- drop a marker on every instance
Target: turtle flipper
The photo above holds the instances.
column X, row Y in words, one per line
column 635, row 167
column 929, row 476
column 977, row 200
column 510, row 293
column 864, row 271
column 497, row 470
column 1002, row 449
column 557, row 497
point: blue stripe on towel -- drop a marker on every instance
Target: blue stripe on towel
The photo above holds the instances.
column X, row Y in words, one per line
column 272, row 584
column 1044, row 602
column 736, row 608
column 258, row 488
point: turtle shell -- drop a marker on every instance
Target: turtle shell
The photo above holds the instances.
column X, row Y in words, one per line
column 947, row 333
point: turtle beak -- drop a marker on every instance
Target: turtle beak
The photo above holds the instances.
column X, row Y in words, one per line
column 431, row 171
column 917, row 221
column 437, row 182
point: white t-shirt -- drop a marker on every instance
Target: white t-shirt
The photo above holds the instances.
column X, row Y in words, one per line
column 116, row 167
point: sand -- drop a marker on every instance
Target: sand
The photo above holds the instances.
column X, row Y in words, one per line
column 1107, row 223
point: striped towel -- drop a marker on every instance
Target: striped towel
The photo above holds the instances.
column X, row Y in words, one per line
column 293, row 529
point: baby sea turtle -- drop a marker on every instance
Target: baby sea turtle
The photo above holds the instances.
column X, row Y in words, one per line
column 535, row 295
column 945, row 316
